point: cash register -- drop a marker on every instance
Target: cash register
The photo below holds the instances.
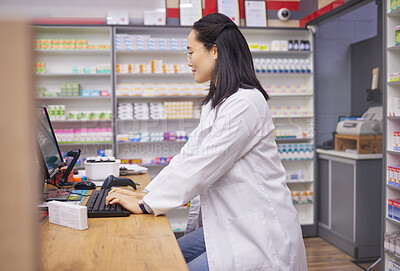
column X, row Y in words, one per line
column 370, row 123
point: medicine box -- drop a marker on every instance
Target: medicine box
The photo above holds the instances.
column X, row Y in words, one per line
column 393, row 266
column 68, row 215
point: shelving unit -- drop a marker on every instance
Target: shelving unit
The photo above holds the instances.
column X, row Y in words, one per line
column 303, row 123
column 59, row 64
column 149, row 150
column 391, row 156
column 56, row 74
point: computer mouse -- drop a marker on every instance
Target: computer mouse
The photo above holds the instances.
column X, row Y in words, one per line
column 85, row 185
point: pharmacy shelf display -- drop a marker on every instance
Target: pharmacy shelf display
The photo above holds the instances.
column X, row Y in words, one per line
column 73, row 79
column 391, row 220
column 145, row 105
column 286, row 73
column 156, row 98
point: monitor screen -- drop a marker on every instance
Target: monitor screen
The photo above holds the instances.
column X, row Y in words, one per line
column 47, row 141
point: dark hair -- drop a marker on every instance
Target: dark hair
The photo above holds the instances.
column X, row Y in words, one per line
column 234, row 67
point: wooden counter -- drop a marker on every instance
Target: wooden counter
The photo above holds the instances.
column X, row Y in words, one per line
column 137, row 242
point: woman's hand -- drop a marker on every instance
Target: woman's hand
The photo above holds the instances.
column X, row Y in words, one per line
column 126, row 192
column 129, row 202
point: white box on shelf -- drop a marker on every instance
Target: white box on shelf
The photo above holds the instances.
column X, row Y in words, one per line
column 154, row 17
column 117, row 17
column 100, row 171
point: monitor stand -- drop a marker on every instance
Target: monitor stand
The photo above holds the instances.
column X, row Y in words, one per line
column 63, row 180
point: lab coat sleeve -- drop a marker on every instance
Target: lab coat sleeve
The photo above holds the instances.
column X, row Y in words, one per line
column 175, row 162
column 236, row 130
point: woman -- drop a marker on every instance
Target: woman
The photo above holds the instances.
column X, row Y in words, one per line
column 244, row 218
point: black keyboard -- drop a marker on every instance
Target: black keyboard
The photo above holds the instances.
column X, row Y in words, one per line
column 96, row 205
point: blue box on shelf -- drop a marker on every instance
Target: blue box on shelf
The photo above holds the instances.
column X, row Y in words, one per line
column 90, row 93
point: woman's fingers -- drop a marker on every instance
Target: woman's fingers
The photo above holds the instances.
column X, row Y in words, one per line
column 116, row 200
column 121, row 191
column 111, row 197
column 128, row 202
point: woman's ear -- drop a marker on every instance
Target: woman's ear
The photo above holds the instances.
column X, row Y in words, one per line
column 214, row 52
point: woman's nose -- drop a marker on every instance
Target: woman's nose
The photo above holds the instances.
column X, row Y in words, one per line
column 190, row 63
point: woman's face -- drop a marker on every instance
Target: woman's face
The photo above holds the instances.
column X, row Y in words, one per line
column 201, row 60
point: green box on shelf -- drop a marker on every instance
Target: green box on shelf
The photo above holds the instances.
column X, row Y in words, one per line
column 103, row 115
column 397, row 35
column 69, row 89
column 397, row 4
column 84, row 116
column 393, row 4
column 75, row 89
column 48, row 94
column 41, row 92
column 63, row 89
column 93, row 116
column 73, row 115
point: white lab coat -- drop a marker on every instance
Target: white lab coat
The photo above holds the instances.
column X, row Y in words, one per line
column 231, row 161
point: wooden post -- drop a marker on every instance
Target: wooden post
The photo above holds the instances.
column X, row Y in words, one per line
column 19, row 247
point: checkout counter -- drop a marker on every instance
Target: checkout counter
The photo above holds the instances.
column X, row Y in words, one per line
column 350, row 192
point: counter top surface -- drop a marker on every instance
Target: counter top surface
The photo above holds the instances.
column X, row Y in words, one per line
column 351, row 155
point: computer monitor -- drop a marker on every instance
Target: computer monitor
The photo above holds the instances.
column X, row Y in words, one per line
column 48, row 142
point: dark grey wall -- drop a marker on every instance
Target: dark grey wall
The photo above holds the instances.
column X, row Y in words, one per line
column 333, row 65
column 365, row 55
